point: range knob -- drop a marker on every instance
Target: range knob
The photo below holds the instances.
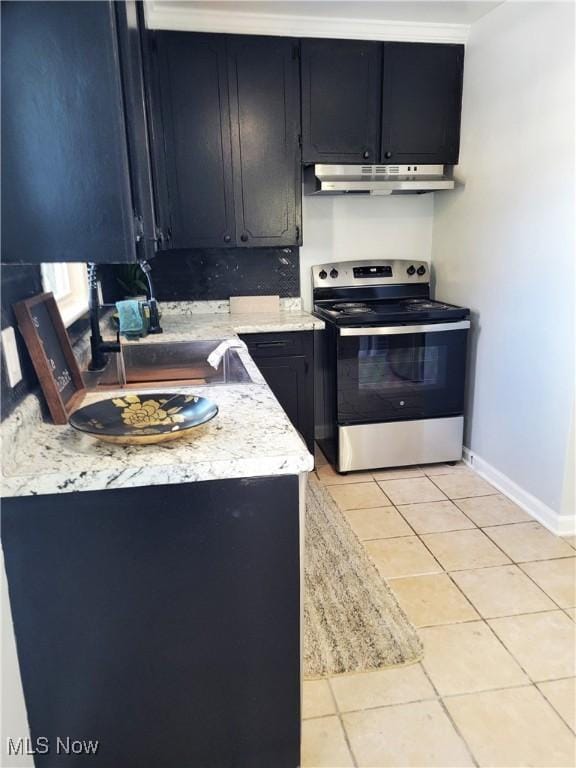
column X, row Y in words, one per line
column 333, row 273
column 411, row 270
column 322, row 274
column 421, row 271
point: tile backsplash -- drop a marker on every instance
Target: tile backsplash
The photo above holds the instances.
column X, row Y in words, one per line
column 217, row 273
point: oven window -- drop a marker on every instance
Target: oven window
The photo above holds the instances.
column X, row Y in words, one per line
column 398, row 365
column 404, row 376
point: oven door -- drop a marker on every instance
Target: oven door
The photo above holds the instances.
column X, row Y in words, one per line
column 401, row 372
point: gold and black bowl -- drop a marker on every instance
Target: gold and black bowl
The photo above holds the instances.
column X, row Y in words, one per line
column 143, row 419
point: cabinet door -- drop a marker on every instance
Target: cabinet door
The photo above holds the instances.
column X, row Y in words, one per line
column 290, row 379
column 66, row 185
column 340, row 101
column 265, row 121
column 421, row 102
column 195, row 136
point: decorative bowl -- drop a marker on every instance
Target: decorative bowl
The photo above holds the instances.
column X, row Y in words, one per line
column 143, row 419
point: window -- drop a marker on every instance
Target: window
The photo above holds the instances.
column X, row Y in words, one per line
column 69, row 284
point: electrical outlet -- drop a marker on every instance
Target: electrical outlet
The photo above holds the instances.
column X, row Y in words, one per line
column 11, row 358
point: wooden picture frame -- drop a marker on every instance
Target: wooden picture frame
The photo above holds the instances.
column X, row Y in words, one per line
column 41, row 325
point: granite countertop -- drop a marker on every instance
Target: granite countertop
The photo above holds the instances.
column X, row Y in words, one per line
column 250, row 437
column 179, row 326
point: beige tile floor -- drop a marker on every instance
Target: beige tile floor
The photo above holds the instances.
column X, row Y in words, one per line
column 493, row 595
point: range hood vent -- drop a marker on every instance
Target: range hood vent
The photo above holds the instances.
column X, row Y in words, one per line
column 376, row 179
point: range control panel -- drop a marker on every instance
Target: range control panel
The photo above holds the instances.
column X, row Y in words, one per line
column 345, row 274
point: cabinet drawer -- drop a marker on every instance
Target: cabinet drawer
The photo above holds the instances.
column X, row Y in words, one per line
column 274, row 344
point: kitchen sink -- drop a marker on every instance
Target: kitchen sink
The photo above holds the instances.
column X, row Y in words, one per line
column 146, row 364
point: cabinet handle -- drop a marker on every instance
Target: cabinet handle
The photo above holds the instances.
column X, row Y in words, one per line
column 264, row 344
column 244, row 237
column 227, row 238
column 366, row 154
column 387, row 155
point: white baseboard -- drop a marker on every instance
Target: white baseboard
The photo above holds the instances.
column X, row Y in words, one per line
column 561, row 525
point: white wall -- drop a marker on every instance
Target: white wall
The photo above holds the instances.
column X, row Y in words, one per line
column 363, row 227
column 504, row 246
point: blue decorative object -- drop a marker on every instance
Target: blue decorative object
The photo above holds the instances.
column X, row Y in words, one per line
column 133, row 318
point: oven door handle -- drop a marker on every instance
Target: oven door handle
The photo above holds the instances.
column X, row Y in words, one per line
column 391, row 330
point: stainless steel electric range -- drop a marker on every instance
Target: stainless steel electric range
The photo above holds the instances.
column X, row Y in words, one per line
column 391, row 366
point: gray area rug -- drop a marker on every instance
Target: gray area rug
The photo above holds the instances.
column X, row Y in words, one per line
column 352, row 621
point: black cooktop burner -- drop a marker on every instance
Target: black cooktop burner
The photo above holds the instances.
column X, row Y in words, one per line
column 350, row 305
column 414, row 305
column 351, row 308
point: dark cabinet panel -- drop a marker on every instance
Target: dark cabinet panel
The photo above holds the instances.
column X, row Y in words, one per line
column 195, row 140
column 265, row 120
column 287, row 377
column 226, row 120
column 192, row 628
column 286, row 360
column 340, row 101
column 67, row 187
column 421, row 102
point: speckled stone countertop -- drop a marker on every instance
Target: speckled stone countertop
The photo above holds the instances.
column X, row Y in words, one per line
column 183, row 327
column 250, row 437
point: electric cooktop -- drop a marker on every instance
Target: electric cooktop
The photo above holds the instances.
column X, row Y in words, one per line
column 386, row 311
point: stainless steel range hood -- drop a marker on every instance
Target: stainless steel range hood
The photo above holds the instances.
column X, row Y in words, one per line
column 376, row 179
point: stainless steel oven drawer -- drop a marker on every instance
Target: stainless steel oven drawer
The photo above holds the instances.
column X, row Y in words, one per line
column 399, row 443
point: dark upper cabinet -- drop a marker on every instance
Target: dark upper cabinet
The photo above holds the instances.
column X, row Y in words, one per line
column 75, row 173
column 341, row 93
column 193, row 155
column 421, row 102
column 265, row 120
column 366, row 102
column 226, row 120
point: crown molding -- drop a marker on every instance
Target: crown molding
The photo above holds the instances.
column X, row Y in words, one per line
column 180, row 16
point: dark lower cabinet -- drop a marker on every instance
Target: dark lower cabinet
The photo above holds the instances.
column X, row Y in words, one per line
column 286, row 360
column 75, row 170
column 340, row 101
column 421, row 103
column 225, row 114
column 161, row 622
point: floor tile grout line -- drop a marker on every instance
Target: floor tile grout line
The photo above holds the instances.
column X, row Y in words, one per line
column 447, row 713
column 465, row 497
column 560, row 607
column 515, row 565
column 342, row 724
column 517, row 562
column 571, row 728
column 508, row 651
column 486, row 566
column 377, row 538
column 379, row 483
column 432, row 502
column 484, row 618
column 447, row 570
column 460, row 570
column 436, row 559
column 464, row 595
column 438, row 696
